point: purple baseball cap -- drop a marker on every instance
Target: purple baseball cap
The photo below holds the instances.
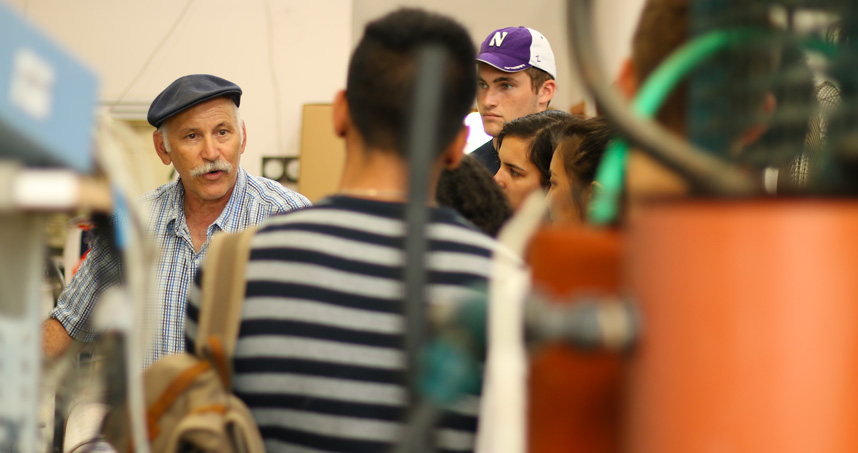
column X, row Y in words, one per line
column 514, row 49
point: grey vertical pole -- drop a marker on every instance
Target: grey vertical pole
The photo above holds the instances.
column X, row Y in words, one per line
column 421, row 147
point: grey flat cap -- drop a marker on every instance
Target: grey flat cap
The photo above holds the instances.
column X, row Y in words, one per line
column 189, row 91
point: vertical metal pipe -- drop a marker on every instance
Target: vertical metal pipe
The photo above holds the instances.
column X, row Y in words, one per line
column 421, row 148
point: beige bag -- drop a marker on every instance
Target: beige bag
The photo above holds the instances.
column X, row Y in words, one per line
column 189, row 399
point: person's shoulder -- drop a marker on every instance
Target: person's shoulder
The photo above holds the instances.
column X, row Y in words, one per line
column 161, row 194
column 331, row 210
column 474, row 241
column 450, row 226
column 272, row 194
column 486, row 149
column 488, row 156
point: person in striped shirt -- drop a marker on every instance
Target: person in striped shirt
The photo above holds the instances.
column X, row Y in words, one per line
column 200, row 132
column 319, row 358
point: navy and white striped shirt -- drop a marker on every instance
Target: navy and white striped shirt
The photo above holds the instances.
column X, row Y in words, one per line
column 253, row 199
column 319, row 358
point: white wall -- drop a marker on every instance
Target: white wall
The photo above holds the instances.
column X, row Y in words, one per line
column 615, row 21
column 310, row 42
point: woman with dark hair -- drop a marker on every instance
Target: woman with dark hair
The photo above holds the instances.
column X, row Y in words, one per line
column 525, row 147
column 573, row 167
column 469, row 189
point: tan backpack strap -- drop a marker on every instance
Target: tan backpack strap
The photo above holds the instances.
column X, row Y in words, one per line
column 223, row 290
column 175, row 389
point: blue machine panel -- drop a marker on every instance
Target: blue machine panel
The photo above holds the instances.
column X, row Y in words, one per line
column 47, row 99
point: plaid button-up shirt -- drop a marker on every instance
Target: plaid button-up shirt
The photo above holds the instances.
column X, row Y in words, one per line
column 251, row 202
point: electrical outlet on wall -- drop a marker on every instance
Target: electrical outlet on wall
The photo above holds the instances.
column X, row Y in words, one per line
column 283, row 169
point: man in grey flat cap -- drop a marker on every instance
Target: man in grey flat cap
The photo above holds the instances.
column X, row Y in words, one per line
column 200, row 132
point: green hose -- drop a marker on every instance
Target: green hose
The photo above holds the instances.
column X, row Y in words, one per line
column 611, row 173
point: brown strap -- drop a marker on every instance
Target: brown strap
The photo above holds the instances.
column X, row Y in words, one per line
column 218, row 355
column 218, row 408
column 179, row 384
column 223, row 290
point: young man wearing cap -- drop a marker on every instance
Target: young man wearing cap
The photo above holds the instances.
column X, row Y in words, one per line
column 516, row 74
column 200, row 132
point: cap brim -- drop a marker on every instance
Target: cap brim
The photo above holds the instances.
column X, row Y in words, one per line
column 503, row 62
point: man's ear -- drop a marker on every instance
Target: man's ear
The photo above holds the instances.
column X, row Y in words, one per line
column 161, row 148
column 750, row 136
column 546, row 92
column 452, row 156
column 341, row 114
column 627, row 81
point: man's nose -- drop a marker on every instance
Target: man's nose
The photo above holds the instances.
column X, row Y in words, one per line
column 210, row 150
column 490, row 98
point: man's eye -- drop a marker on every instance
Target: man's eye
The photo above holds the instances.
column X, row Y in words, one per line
column 191, row 136
column 223, row 132
column 512, row 172
column 507, row 86
column 482, row 85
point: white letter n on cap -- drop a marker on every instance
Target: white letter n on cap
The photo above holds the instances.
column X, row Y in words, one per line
column 497, row 39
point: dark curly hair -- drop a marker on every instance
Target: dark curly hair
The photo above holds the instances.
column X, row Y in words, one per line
column 470, row 190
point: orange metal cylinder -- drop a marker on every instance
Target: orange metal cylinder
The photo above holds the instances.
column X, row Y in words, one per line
column 750, row 335
column 573, row 396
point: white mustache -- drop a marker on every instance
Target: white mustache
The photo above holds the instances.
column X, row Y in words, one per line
column 218, row 165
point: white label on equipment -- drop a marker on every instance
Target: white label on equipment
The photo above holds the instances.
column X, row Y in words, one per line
column 32, row 84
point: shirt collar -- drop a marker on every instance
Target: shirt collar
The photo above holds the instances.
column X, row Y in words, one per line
column 174, row 208
column 227, row 220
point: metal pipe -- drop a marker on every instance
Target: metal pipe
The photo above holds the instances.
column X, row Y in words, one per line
column 421, row 149
column 589, row 323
